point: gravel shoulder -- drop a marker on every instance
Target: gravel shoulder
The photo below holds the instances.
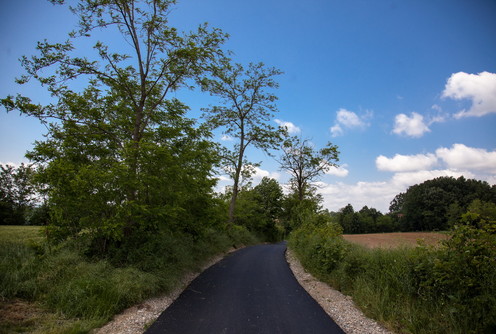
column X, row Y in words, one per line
column 338, row 306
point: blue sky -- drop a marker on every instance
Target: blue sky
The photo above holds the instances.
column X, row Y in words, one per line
column 406, row 89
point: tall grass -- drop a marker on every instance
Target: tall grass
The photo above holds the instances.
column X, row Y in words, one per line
column 86, row 293
column 420, row 290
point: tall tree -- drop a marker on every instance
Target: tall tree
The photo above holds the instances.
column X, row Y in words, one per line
column 248, row 107
column 305, row 164
column 119, row 149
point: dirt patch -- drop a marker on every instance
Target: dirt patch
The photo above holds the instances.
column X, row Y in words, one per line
column 394, row 240
column 17, row 315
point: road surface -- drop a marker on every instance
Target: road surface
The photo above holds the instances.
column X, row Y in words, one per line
column 250, row 291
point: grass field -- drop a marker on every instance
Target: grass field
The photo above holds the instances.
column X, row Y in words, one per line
column 21, row 234
column 394, row 240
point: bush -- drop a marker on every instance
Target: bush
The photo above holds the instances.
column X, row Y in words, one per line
column 448, row 289
column 462, row 275
column 320, row 247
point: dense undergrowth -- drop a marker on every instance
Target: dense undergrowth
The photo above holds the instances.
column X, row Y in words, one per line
column 86, row 292
column 450, row 288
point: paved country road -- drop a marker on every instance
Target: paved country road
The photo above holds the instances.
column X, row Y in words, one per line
column 250, row 291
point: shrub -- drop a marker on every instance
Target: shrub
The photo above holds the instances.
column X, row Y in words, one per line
column 447, row 289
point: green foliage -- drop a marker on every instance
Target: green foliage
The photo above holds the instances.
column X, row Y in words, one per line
column 259, row 210
column 305, row 164
column 247, row 110
column 447, row 289
column 462, row 274
column 320, row 247
column 91, row 291
column 436, row 204
column 17, row 194
column 297, row 213
column 120, row 157
column 367, row 220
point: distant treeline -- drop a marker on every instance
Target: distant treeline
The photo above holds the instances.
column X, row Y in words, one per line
column 434, row 205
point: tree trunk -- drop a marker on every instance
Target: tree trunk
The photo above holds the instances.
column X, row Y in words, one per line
column 237, row 174
column 232, row 205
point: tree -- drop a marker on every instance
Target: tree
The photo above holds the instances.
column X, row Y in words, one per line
column 248, row 107
column 305, row 164
column 17, row 193
column 120, row 154
column 436, row 204
column 269, row 194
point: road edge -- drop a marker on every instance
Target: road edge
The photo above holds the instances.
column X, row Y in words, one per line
column 338, row 306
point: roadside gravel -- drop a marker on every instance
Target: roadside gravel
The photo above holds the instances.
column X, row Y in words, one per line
column 338, row 306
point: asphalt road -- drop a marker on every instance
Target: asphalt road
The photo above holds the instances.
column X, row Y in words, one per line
column 250, row 291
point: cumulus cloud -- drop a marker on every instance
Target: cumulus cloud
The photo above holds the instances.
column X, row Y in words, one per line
column 225, row 181
column 261, row 173
column 458, row 160
column 404, row 180
column 461, row 157
column 413, row 126
column 458, row 157
column 378, row 194
column 406, row 163
column 350, row 120
column 479, row 88
column 373, row 194
column 290, row 127
column 339, row 171
column 336, row 130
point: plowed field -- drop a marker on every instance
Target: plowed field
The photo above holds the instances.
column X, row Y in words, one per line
column 393, row 240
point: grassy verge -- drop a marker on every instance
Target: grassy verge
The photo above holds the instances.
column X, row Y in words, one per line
column 425, row 290
column 59, row 290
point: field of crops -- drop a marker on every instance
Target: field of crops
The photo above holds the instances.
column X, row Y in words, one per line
column 393, row 240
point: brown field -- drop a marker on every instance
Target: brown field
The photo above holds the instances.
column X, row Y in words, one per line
column 393, row 240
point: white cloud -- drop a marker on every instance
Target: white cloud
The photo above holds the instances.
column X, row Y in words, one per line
column 413, row 126
column 406, row 163
column 261, row 173
column 226, row 138
column 462, row 157
column 479, row 88
column 16, row 164
column 459, row 160
column 440, row 117
column 339, row 171
column 336, row 131
column 350, row 120
column 290, row 127
column 373, row 194
column 404, row 180
column 225, row 181
column 377, row 194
